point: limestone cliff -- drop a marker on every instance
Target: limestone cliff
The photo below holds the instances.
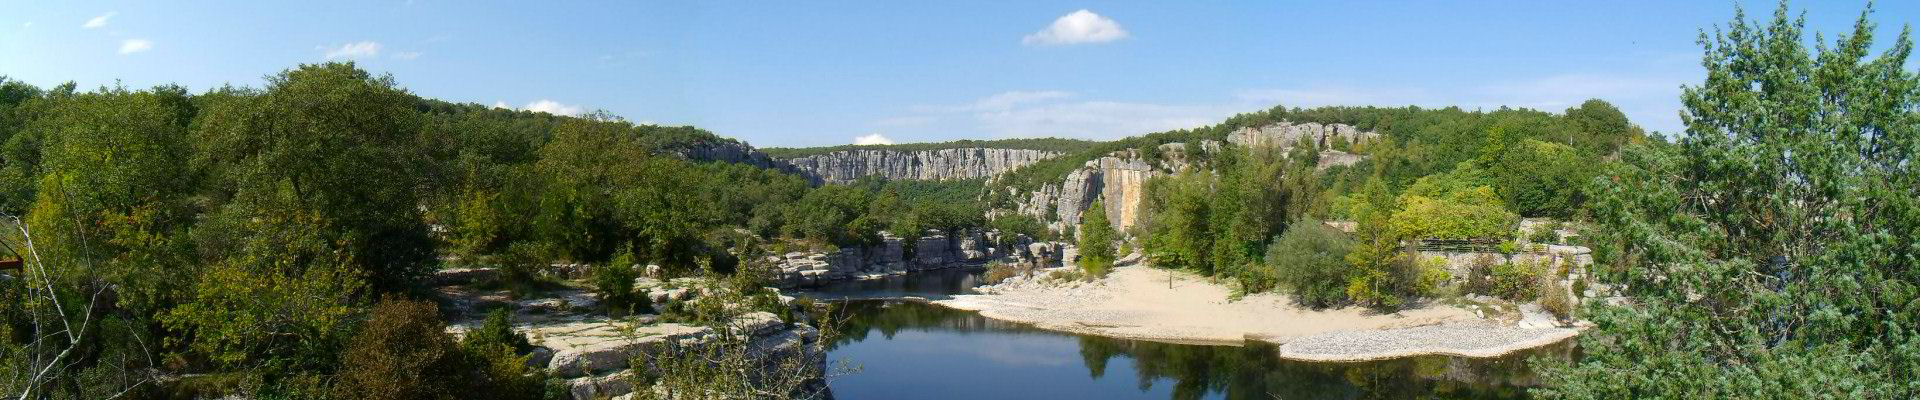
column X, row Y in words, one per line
column 943, row 164
column 1119, row 179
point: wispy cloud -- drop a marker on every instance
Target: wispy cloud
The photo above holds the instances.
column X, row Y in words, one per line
column 1077, row 27
column 407, row 55
column 872, row 139
column 554, row 107
column 131, row 46
column 355, row 50
column 25, row 25
column 100, row 21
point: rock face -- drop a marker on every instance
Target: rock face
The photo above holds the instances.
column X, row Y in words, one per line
column 730, row 151
column 1119, row 179
column 962, row 163
column 934, row 250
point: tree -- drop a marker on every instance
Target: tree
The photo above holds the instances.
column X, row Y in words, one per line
column 1309, row 261
column 338, row 144
column 1380, row 273
column 1771, row 254
column 1541, row 179
column 1096, row 240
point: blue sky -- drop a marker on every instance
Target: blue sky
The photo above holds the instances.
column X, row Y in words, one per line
column 825, row 73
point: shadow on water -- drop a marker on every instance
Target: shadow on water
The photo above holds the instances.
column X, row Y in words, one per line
column 909, row 349
column 932, row 285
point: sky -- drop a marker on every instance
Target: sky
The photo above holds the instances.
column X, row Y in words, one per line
column 796, row 74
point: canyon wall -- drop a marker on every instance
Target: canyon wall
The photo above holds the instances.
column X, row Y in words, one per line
column 961, row 163
column 1119, row 179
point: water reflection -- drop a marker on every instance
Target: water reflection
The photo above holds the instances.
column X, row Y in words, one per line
column 932, row 285
column 914, row 350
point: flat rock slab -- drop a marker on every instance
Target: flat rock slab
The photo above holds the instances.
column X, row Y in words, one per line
column 1466, row 340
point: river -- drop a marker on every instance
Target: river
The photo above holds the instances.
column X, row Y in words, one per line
column 907, row 349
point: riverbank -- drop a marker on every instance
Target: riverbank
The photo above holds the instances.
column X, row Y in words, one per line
column 1136, row 302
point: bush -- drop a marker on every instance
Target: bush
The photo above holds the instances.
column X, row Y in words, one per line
column 1000, row 272
column 614, row 283
column 403, row 352
column 1516, row 281
column 498, row 331
column 1433, row 277
column 1555, row 299
column 1309, row 260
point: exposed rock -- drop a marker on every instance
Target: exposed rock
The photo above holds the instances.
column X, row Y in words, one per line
column 588, row 347
column 1119, row 179
column 962, row 163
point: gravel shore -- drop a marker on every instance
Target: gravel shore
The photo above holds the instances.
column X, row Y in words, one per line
column 1136, row 302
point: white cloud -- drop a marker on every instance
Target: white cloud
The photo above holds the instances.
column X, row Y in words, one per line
column 407, row 55
column 502, row 104
column 355, row 50
column 1077, row 27
column 131, row 46
column 872, row 139
column 99, row 21
column 28, row 24
column 554, row 107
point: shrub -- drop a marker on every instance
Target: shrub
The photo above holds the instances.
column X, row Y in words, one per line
column 1544, row 233
column 1000, row 272
column 1309, row 260
column 614, row 283
column 403, row 352
column 498, row 331
column 1555, row 299
column 1433, row 277
column 1516, row 281
column 1480, row 275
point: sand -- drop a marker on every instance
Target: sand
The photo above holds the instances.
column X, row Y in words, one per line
column 1136, row 302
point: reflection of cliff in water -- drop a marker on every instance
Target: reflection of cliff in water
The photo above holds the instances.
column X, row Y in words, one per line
column 1249, row 372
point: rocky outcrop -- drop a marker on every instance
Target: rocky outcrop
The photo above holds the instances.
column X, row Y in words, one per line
column 729, row 151
column 961, row 163
column 595, row 355
column 1119, row 179
column 1290, row 134
column 892, row 256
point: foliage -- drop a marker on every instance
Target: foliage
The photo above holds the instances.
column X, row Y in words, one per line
column 1381, row 274
column 338, row 144
column 403, row 352
column 1770, row 253
column 1515, row 281
column 1467, row 214
column 283, row 302
column 1096, row 240
column 613, row 282
column 1309, row 261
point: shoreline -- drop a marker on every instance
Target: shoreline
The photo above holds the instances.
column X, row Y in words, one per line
column 1136, row 303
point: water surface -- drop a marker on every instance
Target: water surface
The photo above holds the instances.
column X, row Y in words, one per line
column 912, row 350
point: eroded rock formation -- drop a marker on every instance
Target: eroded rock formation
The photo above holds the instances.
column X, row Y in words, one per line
column 1119, row 179
column 962, row 163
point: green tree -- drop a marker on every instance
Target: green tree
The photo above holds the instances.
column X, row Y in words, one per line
column 1096, row 240
column 1772, row 253
column 1380, row 272
column 1309, row 262
column 336, row 143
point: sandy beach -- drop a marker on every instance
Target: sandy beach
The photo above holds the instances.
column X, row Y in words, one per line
column 1137, row 302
